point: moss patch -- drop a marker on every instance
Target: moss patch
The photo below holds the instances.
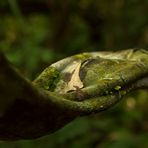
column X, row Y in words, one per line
column 117, row 87
column 48, row 79
column 82, row 56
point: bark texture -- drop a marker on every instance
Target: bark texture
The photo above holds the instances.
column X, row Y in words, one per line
column 75, row 86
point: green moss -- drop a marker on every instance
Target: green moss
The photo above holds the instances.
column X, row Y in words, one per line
column 48, row 79
column 117, row 87
column 123, row 92
column 82, row 56
column 106, row 92
column 53, row 78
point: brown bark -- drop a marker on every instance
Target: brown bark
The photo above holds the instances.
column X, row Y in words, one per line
column 33, row 109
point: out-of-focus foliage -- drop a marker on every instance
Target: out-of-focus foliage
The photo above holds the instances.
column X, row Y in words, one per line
column 36, row 33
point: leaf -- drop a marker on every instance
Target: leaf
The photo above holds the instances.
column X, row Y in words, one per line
column 75, row 79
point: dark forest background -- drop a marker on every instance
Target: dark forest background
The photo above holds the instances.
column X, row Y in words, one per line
column 36, row 33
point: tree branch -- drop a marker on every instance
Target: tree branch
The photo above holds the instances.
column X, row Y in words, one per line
column 75, row 86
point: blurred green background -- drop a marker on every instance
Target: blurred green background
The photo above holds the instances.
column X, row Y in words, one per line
column 36, row 33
